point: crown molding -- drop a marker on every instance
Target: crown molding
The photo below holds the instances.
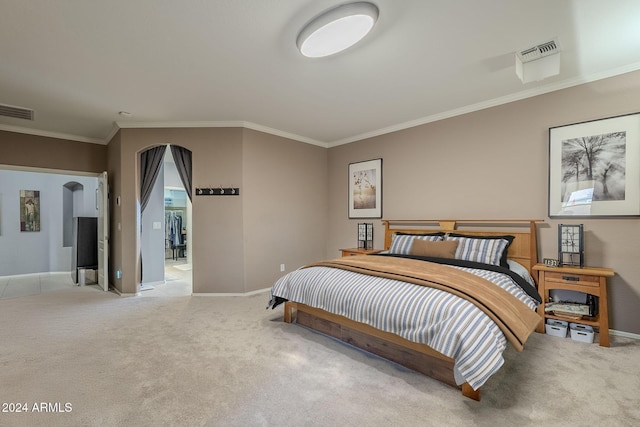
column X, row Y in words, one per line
column 47, row 170
column 178, row 124
column 287, row 135
column 48, row 134
column 114, row 130
column 219, row 124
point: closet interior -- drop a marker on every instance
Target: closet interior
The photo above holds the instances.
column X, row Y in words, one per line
column 175, row 220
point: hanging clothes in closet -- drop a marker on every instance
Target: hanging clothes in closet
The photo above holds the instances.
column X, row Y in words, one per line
column 173, row 229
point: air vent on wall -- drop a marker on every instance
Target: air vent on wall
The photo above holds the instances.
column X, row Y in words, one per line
column 17, row 112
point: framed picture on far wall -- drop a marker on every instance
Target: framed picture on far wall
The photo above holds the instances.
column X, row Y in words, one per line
column 365, row 189
column 29, row 210
column 593, row 168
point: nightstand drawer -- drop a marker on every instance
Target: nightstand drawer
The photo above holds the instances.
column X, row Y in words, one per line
column 351, row 253
column 572, row 279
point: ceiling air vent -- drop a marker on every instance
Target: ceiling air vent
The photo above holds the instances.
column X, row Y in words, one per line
column 538, row 62
column 17, row 112
column 540, row 51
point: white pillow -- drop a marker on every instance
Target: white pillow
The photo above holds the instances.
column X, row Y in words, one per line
column 521, row 270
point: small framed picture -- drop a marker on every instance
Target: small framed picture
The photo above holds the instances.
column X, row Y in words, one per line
column 365, row 189
column 593, row 168
column 29, row 210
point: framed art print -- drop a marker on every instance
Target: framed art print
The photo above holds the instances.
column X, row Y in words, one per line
column 593, row 168
column 365, row 189
column 29, row 210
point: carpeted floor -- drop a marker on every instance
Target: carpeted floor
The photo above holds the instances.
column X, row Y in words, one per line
column 97, row 359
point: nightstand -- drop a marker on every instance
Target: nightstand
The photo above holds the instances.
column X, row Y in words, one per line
column 359, row 251
column 590, row 280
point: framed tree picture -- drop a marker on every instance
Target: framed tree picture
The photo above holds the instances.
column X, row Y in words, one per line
column 365, row 189
column 593, row 168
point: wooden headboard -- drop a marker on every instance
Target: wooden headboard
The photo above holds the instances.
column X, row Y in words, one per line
column 524, row 248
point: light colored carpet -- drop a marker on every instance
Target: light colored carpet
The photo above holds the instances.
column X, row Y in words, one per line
column 226, row 361
column 184, row 267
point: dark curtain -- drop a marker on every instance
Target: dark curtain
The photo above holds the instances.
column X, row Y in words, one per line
column 150, row 165
column 150, row 162
column 182, row 159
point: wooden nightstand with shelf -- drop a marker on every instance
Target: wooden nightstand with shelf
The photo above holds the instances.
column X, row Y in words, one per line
column 589, row 280
column 359, row 251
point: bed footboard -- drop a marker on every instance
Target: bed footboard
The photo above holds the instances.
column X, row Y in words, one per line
column 418, row 357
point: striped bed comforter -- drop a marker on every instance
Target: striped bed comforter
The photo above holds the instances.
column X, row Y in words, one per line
column 445, row 322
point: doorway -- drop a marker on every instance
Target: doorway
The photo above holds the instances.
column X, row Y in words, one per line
column 166, row 230
column 177, row 214
column 36, row 260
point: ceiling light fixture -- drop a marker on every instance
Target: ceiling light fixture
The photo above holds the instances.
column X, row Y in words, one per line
column 337, row 29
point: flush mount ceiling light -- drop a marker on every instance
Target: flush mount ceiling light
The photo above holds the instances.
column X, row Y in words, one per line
column 337, row 29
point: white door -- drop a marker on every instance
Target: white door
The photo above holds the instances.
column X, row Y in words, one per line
column 103, row 231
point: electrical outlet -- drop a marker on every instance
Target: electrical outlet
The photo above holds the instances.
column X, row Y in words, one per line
column 550, row 262
column 281, row 267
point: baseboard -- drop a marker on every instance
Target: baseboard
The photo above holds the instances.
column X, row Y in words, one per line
column 121, row 294
column 246, row 294
column 24, row 275
column 624, row 334
column 156, row 283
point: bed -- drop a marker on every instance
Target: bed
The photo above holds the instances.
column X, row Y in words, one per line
column 444, row 298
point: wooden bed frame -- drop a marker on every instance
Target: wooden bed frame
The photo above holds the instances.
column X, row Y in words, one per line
column 418, row 357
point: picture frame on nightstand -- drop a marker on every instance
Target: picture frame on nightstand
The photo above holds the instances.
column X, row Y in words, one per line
column 571, row 245
column 365, row 235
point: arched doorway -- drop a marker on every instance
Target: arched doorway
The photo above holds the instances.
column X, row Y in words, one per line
column 165, row 230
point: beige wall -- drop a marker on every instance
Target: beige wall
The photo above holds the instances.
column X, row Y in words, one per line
column 285, row 209
column 17, row 149
column 238, row 242
column 217, row 221
column 492, row 164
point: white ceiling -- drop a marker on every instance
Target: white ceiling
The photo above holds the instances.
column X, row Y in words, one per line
column 77, row 63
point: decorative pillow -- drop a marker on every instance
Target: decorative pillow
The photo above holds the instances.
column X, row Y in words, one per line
column 486, row 249
column 401, row 243
column 441, row 249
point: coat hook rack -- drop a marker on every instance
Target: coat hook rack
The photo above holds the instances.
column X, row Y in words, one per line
column 217, row 191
